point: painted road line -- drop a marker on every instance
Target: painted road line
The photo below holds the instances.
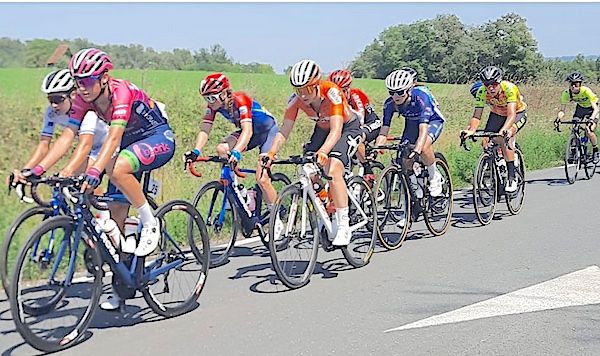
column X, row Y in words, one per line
column 574, row 289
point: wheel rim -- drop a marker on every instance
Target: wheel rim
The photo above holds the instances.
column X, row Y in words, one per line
column 394, row 211
column 485, row 187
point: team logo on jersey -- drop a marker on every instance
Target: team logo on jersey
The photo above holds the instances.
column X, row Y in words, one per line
column 169, row 135
column 334, row 95
column 243, row 110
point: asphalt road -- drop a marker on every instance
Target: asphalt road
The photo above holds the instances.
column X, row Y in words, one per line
column 244, row 310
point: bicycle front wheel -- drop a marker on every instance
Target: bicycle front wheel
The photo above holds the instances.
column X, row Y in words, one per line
column 293, row 238
column 222, row 221
column 485, row 189
column 52, row 296
column 438, row 212
column 572, row 159
column 393, row 213
column 176, row 275
column 362, row 211
column 16, row 236
column 514, row 201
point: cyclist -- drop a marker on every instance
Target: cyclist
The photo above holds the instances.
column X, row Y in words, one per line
column 359, row 102
column 138, row 128
column 256, row 127
column 587, row 106
column 335, row 137
column 507, row 116
column 424, row 122
column 59, row 87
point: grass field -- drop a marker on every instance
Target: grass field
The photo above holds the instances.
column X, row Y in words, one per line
column 22, row 104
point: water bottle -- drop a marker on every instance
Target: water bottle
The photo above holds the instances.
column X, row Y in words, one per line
column 251, row 199
column 243, row 192
column 416, row 187
column 583, row 139
column 111, row 229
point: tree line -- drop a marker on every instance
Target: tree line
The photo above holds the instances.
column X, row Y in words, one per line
column 35, row 53
column 444, row 50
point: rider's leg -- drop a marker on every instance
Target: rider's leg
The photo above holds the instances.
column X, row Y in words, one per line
column 339, row 193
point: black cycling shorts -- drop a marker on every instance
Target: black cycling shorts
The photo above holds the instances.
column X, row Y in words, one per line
column 344, row 149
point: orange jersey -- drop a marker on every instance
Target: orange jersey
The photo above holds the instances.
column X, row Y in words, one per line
column 333, row 102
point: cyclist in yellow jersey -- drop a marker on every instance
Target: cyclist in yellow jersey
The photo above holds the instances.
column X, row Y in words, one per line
column 587, row 106
column 507, row 115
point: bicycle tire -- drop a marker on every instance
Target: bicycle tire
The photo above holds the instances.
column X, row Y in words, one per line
column 221, row 249
column 448, row 201
column 359, row 251
column 572, row 168
column 277, row 177
column 392, row 180
column 589, row 166
column 519, row 196
column 201, row 255
column 71, row 337
column 285, row 270
column 491, row 196
column 10, row 235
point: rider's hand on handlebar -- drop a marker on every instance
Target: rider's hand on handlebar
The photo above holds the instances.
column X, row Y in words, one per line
column 267, row 160
column 92, row 179
column 322, row 158
column 466, row 133
column 191, row 156
column 235, row 156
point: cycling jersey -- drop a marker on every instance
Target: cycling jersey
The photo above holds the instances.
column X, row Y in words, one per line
column 130, row 108
column 333, row 102
column 584, row 98
column 90, row 125
column 509, row 93
column 421, row 108
column 360, row 102
column 244, row 110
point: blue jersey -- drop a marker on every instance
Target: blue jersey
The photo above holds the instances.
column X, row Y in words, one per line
column 421, row 109
column 244, row 110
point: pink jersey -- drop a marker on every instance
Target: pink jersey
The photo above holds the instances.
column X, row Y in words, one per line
column 130, row 108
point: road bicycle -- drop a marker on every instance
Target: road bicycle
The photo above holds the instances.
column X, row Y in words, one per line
column 578, row 152
column 53, row 295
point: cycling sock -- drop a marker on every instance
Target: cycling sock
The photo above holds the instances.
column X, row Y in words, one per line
column 510, row 167
column 431, row 170
column 595, row 148
column 103, row 215
column 146, row 214
column 341, row 215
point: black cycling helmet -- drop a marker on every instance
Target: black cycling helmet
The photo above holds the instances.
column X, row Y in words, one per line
column 574, row 77
column 491, row 74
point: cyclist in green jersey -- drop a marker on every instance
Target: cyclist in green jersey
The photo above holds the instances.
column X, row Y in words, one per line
column 587, row 106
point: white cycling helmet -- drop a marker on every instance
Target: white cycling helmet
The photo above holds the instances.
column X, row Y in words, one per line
column 399, row 80
column 305, row 73
column 58, row 81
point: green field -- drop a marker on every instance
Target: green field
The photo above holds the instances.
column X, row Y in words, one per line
column 22, row 104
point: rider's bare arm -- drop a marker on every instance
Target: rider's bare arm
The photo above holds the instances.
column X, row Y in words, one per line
column 336, row 122
column 60, row 148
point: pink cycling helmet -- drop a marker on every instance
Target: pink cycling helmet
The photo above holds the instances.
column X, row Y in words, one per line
column 88, row 62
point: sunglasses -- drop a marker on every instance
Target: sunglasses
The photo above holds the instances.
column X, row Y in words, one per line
column 86, row 82
column 57, row 99
column 305, row 90
column 397, row 92
column 576, row 84
column 211, row 99
column 490, row 84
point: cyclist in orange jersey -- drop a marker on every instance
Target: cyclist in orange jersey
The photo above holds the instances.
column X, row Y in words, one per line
column 335, row 138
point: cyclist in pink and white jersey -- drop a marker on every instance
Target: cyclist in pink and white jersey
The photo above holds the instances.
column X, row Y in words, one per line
column 138, row 128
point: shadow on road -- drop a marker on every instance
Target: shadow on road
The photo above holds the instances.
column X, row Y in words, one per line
column 552, row 182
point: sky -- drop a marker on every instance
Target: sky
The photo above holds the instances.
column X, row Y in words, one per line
column 283, row 33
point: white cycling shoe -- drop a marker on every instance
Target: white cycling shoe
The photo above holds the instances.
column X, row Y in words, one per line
column 149, row 238
column 112, row 303
column 435, row 185
column 277, row 230
column 511, row 186
column 343, row 236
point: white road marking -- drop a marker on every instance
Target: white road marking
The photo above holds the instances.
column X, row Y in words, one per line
column 574, row 289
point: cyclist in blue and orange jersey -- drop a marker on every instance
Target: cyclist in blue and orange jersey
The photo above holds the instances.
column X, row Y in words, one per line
column 138, row 129
column 424, row 121
column 507, row 116
column 587, row 106
column 91, row 132
column 359, row 101
column 335, row 138
column 256, row 127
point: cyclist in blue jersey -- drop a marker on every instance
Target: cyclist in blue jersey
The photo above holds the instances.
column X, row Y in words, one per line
column 256, row 127
column 424, row 122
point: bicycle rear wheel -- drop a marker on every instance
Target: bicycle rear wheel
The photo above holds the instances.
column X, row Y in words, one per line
column 485, row 189
column 221, row 218
column 294, row 249
column 176, row 275
column 588, row 161
column 17, row 234
column 393, row 213
column 572, row 159
column 514, row 201
column 52, row 297
column 363, row 222
column 438, row 212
